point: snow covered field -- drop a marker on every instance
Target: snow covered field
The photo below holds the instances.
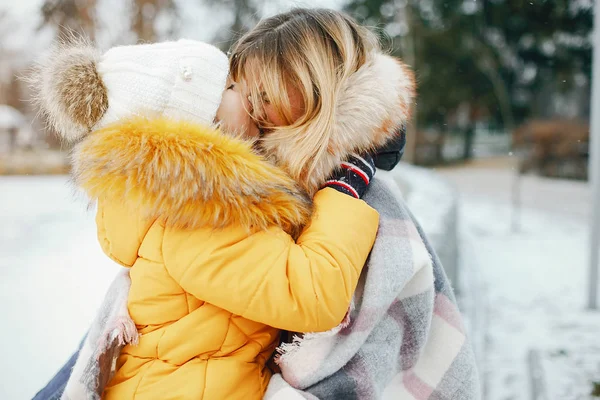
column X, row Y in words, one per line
column 53, row 276
column 528, row 287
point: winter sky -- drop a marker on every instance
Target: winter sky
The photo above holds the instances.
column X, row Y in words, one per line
column 197, row 21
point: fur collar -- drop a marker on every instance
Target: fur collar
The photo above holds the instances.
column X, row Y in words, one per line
column 188, row 175
column 371, row 107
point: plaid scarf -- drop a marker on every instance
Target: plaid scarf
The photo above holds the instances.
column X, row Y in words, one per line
column 404, row 338
column 110, row 331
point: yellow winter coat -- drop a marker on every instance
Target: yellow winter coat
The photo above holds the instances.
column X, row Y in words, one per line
column 201, row 221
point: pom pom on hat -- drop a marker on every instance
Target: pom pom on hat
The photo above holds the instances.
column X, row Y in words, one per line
column 70, row 92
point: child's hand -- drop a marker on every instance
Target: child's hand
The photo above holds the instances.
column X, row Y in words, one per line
column 354, row 176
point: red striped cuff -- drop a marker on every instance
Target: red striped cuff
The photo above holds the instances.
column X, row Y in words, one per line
column 357, row 171
column 344, row 185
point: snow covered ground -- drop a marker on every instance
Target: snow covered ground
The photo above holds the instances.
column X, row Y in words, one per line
column 53, row 276
column 528, row 287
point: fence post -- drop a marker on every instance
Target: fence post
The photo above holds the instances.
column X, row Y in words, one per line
column 594, row 164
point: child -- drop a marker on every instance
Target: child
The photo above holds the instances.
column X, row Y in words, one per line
column 203, row 223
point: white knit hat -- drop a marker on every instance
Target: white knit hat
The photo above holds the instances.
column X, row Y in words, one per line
column 182, row 80
column 82, row 90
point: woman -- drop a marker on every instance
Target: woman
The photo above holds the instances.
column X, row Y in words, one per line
column 319, row 88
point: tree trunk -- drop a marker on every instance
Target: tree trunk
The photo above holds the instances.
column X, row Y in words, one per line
column 143, row 20
column 409, row 55
column 468, row 144
column 487, row 67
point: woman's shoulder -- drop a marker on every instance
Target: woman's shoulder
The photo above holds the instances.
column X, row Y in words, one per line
column 385, row 196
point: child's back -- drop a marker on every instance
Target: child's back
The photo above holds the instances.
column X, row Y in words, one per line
column 189, row 348
column 202, row 222
column 200, row 279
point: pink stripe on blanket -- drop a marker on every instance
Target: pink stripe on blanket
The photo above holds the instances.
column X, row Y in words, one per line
column 364, row 322
column 398, row 228
column 397, row 312
column 415, row 386
column 358, row 369
column 447, row 310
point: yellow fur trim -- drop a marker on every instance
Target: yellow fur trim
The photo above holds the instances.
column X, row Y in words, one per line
column 188, row 175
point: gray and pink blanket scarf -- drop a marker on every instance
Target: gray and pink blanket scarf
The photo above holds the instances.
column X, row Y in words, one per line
column 403, row 337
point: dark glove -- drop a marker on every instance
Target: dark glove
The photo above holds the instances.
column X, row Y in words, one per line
column 389, row 155
column 354, row 176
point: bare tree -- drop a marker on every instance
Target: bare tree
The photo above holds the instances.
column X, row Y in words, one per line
column 145, row 14
column 9, row 85
column 245, row 16
column 70, row 16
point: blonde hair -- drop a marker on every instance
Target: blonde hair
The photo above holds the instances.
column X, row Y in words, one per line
column 314, row 51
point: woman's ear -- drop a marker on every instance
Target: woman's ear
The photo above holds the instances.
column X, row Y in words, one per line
column 69, row 89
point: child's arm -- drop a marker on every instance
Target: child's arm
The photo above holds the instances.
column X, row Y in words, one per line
column 266, row 277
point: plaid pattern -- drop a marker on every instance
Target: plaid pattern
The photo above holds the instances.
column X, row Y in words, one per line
column 110, row 331
column 404, row 339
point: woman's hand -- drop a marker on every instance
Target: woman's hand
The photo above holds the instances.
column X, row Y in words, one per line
column 354, row 176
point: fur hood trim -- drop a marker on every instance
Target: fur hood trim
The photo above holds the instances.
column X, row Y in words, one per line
column 188, row 175
column 371, row 108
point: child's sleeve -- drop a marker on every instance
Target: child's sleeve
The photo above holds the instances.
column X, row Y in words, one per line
column 266, row 277
column 119, row 243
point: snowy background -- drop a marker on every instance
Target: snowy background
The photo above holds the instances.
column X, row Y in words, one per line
column 485, row 69
column 53, row 276
column 531, row 285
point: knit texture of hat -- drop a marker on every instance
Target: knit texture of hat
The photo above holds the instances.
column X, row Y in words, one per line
column 183, row 80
